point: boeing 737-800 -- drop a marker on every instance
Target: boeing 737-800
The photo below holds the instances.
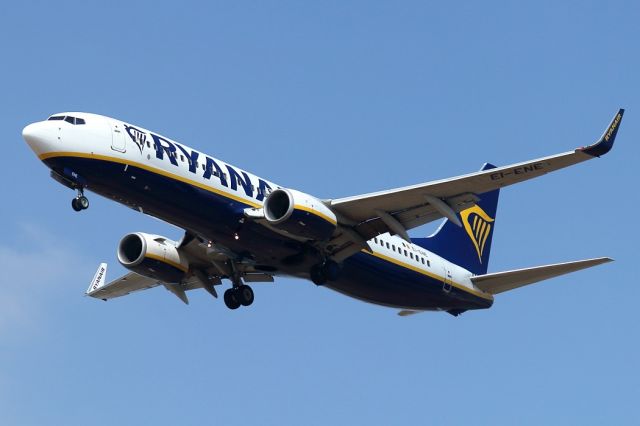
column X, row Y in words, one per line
column 247, row 229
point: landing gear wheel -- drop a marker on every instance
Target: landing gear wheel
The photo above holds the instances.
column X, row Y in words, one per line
column 83, row 202
column 231, row 299
column 317, row 275
column 75, row 205
column 324, row 272
column 331, row 270
column 244, row 294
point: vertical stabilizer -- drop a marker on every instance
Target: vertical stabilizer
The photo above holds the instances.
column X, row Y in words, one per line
column 468, row 245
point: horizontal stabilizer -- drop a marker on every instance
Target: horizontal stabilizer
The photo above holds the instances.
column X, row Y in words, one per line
column 504, row 281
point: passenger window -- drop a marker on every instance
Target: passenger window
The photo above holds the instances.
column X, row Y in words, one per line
column 422, row 260
column 429, row 263
column 375, row 240
column 411, row 254
column 182, row 158
column 387, row 245
column 148, row 144
column 405, row 252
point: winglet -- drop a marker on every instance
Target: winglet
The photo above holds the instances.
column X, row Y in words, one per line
column 605, row 143
column 99, row 279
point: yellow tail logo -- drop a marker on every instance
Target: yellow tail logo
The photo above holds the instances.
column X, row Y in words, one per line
column 477, row 223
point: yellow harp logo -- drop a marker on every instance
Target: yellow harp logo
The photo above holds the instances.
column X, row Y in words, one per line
column 477, row 223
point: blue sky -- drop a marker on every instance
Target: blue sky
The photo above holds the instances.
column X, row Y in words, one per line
column 335, row 99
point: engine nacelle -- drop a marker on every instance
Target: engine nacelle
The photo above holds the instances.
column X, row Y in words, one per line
column 299, row 214
column 152, row 256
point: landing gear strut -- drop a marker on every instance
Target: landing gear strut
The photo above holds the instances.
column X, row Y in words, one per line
column 80, row 202
column 324, row 272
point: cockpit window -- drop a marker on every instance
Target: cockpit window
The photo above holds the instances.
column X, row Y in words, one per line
column 68, row 119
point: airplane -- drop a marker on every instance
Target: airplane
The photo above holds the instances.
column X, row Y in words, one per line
column 245, row 229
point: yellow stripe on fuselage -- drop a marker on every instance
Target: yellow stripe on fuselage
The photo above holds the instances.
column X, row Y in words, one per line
column 429, row 274
column 153, row 170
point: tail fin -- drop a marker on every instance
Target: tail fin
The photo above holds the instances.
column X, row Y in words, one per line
column 470, row 245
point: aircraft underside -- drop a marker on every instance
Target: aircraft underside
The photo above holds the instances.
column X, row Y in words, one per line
column 362, row 276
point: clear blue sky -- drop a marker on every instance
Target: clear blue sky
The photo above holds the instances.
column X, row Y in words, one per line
column 334, row 98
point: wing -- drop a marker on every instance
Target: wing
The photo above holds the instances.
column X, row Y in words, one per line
column 208, row 264
column 398, row 210
column 500, row 282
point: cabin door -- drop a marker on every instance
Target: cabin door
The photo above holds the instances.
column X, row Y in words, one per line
column 448, row 280
column 118, row 142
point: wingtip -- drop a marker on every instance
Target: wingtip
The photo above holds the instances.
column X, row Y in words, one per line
column 605, row 143
column 98, row 281
column 601, row 260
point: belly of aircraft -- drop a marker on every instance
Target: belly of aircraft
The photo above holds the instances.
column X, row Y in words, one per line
column 363, row 276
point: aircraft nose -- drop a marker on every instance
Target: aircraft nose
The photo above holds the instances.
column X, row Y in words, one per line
column 36, row 136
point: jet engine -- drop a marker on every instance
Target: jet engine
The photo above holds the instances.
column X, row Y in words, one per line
column 299, row 214
column 153, row 256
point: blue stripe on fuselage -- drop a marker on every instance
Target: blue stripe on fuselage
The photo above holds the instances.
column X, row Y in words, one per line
column 368, row 277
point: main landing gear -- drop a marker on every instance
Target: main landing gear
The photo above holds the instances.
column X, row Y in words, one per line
column 324, row 272
column 80, row 202
column 238, row 296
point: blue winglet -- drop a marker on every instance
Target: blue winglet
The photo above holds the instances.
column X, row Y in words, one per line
column 604, row 145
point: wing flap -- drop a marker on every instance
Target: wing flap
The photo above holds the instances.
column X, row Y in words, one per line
column 500, row 282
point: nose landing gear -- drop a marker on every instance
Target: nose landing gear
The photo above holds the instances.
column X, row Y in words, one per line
column 80, row 202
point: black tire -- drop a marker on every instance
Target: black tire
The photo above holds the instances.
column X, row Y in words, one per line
column 83, row 202
column 317, row 275
column 231, row 299
column 75, row 205
column 331, row 270
column 245, row 295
